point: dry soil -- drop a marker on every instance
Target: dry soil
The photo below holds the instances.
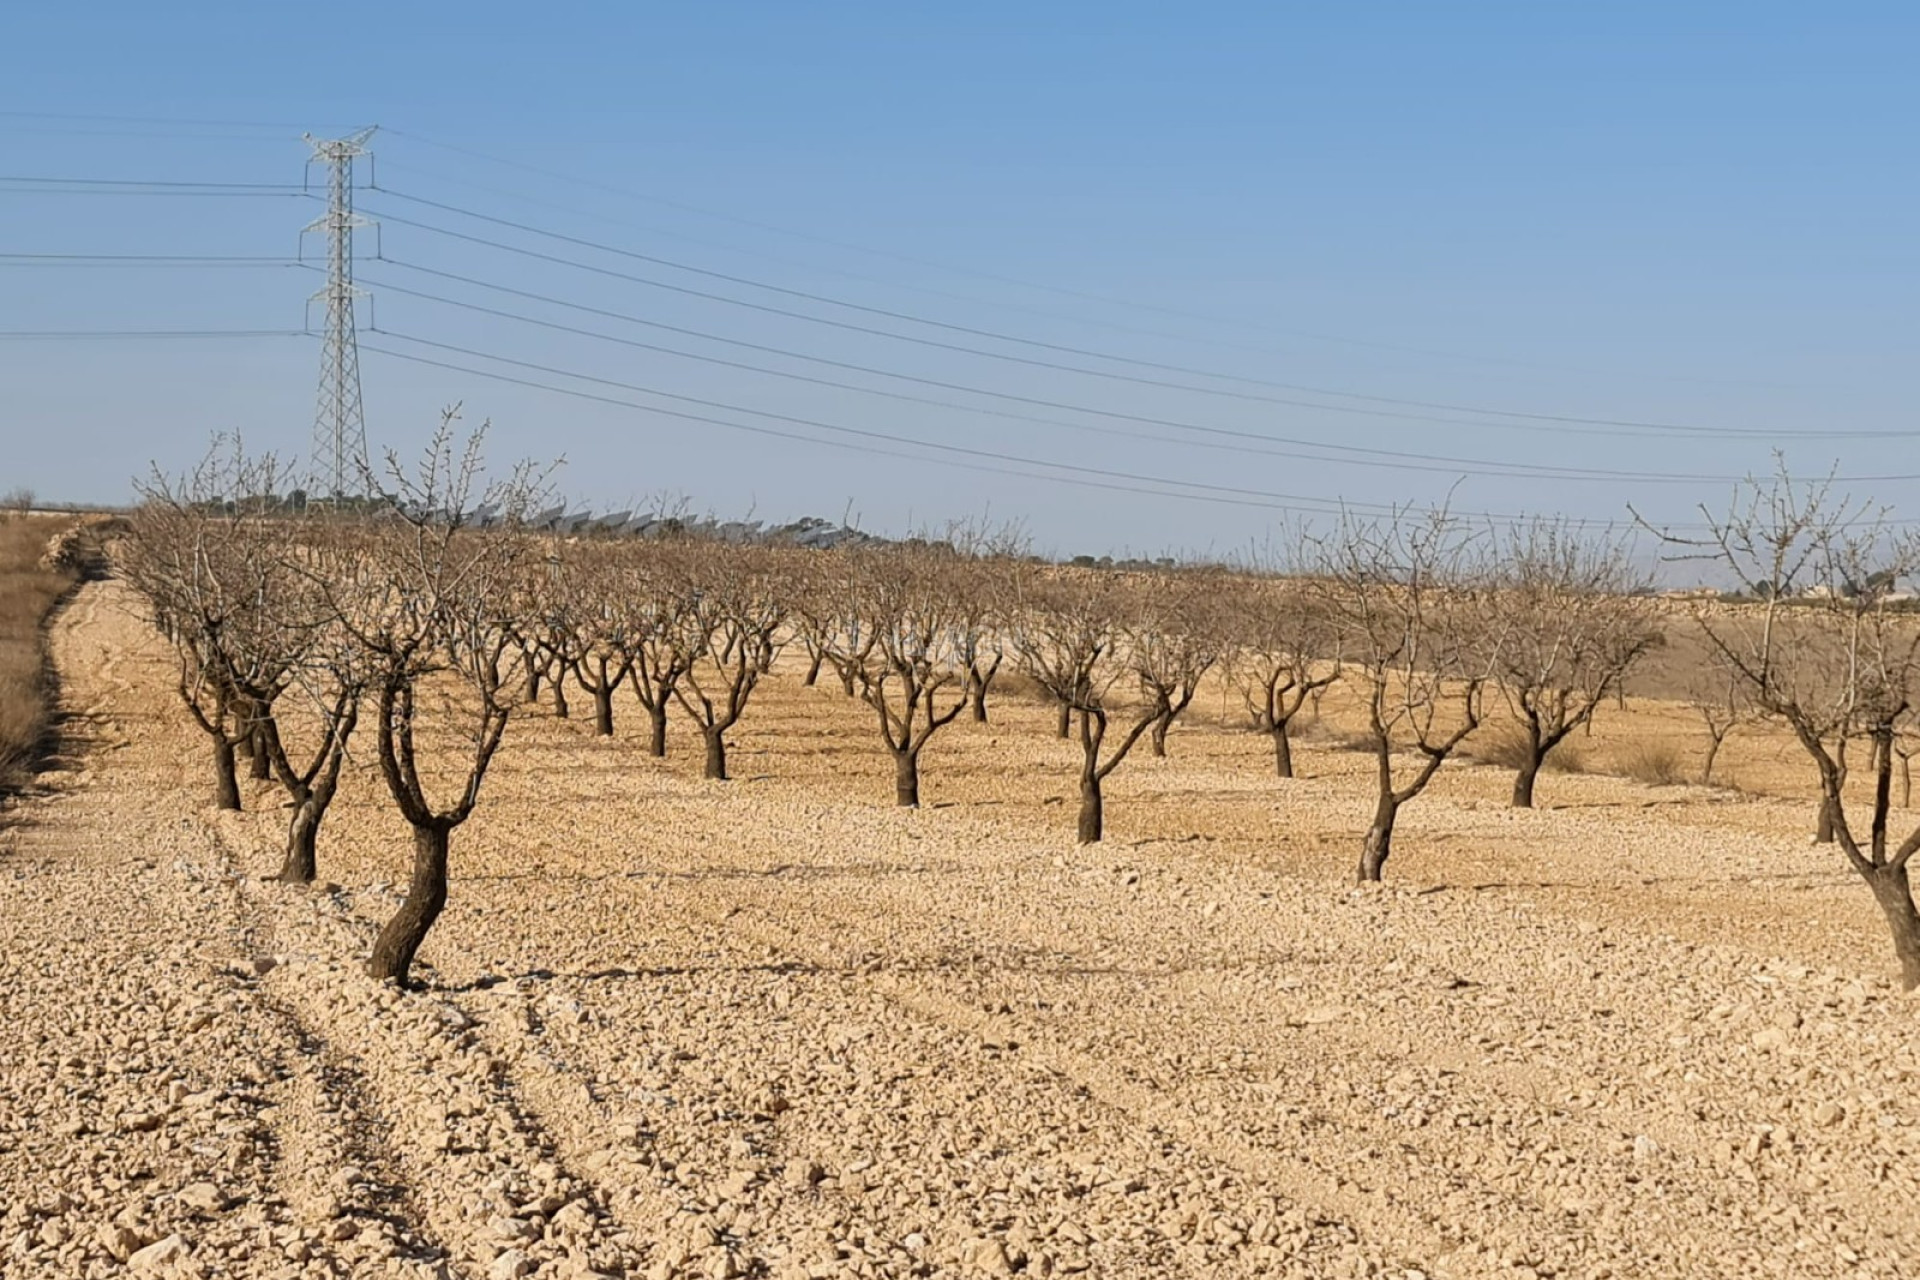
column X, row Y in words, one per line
column 776, row 1027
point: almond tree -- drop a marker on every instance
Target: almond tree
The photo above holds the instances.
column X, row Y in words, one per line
column 1576, row 622
column 205, row 556
column 813, row 612
column 833, row 596
column 1286, row 653
column 730, row 628
column 912, row 674
column 1421, row 641
column 1716, row 696
column 1070, row 634
column 603, row 631
column 661, row 595
column 1828, row 652
column 982, row 575
column 975, row 630
column 430, row 615
column 1176, row 638
column 329, row 682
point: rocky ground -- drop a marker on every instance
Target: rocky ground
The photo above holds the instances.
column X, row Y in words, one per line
column 778, row 1028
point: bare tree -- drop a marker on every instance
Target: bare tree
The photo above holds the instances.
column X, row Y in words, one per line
column 813, row 612
column 1287, row 653
column 604, row 624
column 913, row 675
column 1412, row 599
column 206, row 558
column 664, row 638
column 1070, row 633
column 1716, row 697
column 1826, row 651
column 730, row 628
column 328, row 684
column 431, row 615
column 835, row 587
column 1577, row 621
column 976, row 636
column 982, row 571
column 1176, row 637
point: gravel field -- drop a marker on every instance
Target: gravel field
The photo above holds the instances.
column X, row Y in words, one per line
column 778, row 1027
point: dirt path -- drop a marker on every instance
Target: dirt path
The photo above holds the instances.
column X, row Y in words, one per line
column 778, row 1028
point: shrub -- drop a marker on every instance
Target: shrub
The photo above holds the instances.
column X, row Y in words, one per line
column 1658, row 764
column 1571, row 756
column 27, row 592
column 1505, row 747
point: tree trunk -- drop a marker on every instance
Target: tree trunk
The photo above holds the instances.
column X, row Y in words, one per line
column 603, row 711
column 1066, row 720
column 303, row 834
column 1713, row 751
column 979, row 702
column 261, row 766
column 813, row 668
column 716, row 755
column 1524, row 778
column 1379, row 842
column 1160, row 727
column 1092, row 809
column 657, row 738
column 906, row 779
column 533, row 681
column 1282, row 750
column 1823, row 830
column 1895, row 896
column 560, row 707
column 226, row 783
column 846, row 680
column 1906, row 782
column 394, row 949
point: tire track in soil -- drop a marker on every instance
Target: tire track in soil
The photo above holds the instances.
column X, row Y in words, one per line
column 1123, row 1102
column 441, row 1121
column 1389, row 1225
column 1397, row 1187
column 347, row 1187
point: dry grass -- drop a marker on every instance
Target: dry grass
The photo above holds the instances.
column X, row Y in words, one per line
column 27, row 592
column 1506, row 747
column 1656, row 763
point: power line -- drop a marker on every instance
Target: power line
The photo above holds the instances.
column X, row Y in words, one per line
column 1104, row 479
column 863, row 433
column 78, row 335
column 293, row 193
column 841, row 272
column 1103, row 300
column 100, row 118
column 141, row 260
column 1356, row 455
column 1301, row 504
column 1515, row 419
column 1295, row 503
column 763, row 308
column 159, row 183
column 868, row 450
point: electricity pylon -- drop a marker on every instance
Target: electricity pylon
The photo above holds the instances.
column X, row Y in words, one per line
column 339, row 457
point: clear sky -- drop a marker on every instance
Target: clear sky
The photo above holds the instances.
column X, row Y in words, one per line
column 1669, row 215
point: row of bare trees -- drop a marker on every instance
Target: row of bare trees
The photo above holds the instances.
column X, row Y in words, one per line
column 290, row 628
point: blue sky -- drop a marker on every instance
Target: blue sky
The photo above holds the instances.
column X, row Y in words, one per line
column 1685, row 215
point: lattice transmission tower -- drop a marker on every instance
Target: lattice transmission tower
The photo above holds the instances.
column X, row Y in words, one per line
column 339, row 457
